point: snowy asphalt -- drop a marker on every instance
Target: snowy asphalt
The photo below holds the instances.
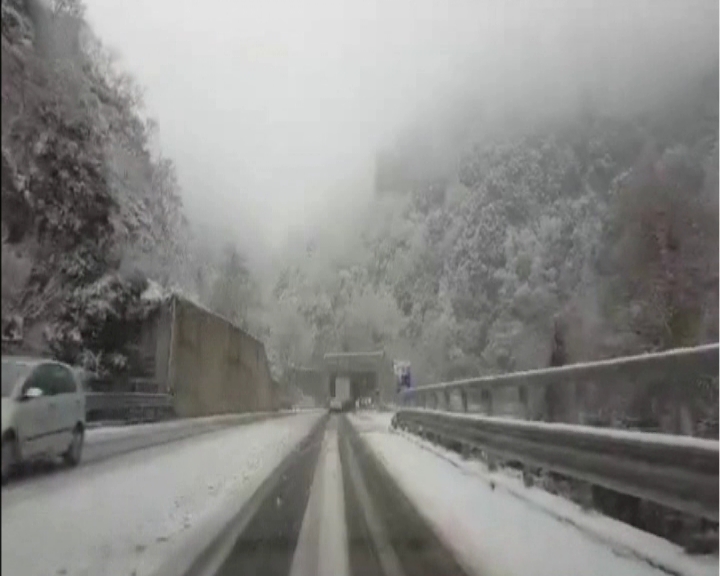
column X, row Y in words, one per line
column 332, row 510
column 308, row 494
column 340, row 506
column 397, row 540
column 104, row 443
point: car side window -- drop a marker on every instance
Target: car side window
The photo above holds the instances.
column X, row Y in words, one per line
column 41, row 377
column 64, row 381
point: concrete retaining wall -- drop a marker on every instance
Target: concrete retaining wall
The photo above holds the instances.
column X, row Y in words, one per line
column 214, row 367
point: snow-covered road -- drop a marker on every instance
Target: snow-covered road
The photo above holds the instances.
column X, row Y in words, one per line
column 127, row 515
column 303, row 495
column 496, row 526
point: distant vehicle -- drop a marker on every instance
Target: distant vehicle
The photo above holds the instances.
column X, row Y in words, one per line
column 342, row 398
column 43, row 412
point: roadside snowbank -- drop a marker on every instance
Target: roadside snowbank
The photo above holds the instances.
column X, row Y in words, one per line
column 498, row 527
column 101, row 433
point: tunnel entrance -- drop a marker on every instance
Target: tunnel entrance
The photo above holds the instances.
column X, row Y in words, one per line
column 362, row 384
column 356, row 375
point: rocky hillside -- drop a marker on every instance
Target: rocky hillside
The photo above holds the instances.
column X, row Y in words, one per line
column 88, row 210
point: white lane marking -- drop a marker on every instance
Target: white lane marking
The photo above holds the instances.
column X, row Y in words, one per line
column 333, row 551
column 322, row 548
column 305, row 558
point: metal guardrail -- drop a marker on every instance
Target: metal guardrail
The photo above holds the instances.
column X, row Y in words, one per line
column 135, row 385
column 680, row 365
column 678, row 472
column 97, row 400
column 127, row 405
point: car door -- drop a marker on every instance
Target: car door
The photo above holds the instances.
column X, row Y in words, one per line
column 36, row 421
column 67, row 406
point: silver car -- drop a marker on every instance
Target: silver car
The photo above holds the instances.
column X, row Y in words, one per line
column 43, row 412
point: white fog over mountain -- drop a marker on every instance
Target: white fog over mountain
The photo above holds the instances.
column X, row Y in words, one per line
column 449, row 181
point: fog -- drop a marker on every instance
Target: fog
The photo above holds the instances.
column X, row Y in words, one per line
column 273, row 111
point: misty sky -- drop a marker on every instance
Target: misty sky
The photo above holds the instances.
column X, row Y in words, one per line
column 277, row 107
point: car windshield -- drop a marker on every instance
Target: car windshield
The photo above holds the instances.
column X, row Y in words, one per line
column 12, row 371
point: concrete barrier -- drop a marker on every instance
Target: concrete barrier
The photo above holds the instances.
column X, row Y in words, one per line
column 215, row 367
column 204, row 362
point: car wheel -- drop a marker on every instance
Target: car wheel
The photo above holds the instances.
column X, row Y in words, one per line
column 10, row 457
column 74, row 451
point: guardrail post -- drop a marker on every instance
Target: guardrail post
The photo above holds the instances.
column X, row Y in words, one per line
column 464, row 399
column 446, row 394
column 524, row 401
column 487, row 400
